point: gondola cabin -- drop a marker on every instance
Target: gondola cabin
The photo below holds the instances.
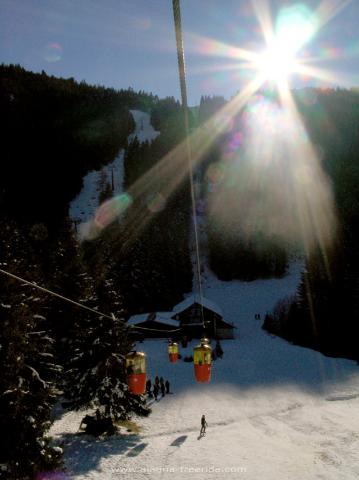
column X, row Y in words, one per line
column 136, row 372
column 173, row 352
column 202, row 361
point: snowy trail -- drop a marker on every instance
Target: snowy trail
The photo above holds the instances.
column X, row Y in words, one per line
column 301, row 441
column 275, row 411
column 143, row 130
column 83, row 207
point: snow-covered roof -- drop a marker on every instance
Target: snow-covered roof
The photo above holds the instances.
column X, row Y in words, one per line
column 161, row 317
column 141, row 317
column 197, row 299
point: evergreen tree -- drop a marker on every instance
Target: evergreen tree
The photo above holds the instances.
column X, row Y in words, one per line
column 96, row 375
column 29, row 371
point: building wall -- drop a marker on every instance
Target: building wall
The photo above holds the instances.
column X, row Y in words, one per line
column 225, row 333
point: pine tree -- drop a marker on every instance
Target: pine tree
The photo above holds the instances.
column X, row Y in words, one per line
column 29, row 372
column 96, row 375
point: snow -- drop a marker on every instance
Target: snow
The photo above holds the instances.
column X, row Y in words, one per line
column 83, row 207
column 275, row 411
column 144, row 130
column 141, row 317
column 164, row 317
column 202, row 301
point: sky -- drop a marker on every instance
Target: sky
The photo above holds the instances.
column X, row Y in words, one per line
column 121, row 44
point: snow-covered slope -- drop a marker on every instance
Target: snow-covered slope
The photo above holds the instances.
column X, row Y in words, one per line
column 275, row 411
column 144, row 130
column 83, row 207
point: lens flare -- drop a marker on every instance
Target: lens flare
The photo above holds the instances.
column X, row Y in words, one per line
column 112, row 209
column 156, row 202
column 52, row 476
column 53, row 52
column 277, row 186
column 295, row 26
column 269, row 178
column 236, row 140
column 215, row 173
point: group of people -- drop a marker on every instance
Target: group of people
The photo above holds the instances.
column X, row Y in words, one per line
column 159, row 385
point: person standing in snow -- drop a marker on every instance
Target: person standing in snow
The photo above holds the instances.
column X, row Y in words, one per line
column 203, row 425
column 155, row 390
column 167, row 385
column 218, row 350
column 148, row 388
column 162, row 389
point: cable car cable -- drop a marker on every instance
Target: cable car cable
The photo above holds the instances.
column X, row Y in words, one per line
column 81, row 305
column 202, row 353
column 182, row 79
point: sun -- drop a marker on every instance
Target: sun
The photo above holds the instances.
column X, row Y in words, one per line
column 294, row 27
column 276, row 63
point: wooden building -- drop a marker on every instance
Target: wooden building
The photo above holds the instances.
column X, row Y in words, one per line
column 157, row 325
column 188, row 314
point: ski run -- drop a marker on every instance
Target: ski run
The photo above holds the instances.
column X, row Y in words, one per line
column 275, row 411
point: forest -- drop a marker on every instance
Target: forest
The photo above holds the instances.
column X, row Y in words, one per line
column 324, row 313
column 54, row 131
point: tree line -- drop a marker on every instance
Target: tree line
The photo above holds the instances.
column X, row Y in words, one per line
column 323, row 314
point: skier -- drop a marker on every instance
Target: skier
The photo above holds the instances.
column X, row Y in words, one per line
column 203, row 425
column 157, row 381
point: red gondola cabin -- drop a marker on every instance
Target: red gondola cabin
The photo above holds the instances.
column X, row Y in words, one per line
column 202, row 360
column 173, row 352
column 136, row 372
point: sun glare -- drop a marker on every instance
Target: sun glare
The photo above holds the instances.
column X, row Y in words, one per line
column 276, row 63
column 295, row 26
column 269, row 175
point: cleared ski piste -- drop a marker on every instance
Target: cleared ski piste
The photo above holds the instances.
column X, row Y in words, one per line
column 83, row 207
column 274, row 410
